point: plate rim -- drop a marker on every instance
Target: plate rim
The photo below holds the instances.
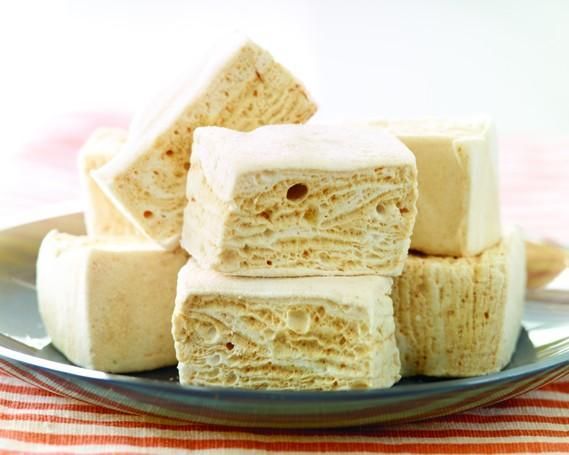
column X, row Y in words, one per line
column 555, row 361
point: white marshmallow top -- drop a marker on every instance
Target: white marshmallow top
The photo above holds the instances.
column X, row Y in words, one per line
column 365, row 290
column 226, row 154
column 67, row 242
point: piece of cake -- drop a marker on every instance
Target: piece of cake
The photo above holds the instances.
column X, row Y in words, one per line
column 102, row 218
column 319, row 333
column 458, row 206
column 107, row 305
column 240, row 87
column 299, row 200
column 460, row 316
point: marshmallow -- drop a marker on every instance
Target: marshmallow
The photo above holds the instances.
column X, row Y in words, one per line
column 108, row 305
column 298, row 200
column 460, row 316
column 320, row 333
column 458, row 206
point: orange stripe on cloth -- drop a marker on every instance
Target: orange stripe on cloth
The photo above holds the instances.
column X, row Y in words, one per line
column 506, row 418
column 289, row 446
column 562, row 387
column 524, row 401
column 368, row 432
column 25, row 390
column 71, row 406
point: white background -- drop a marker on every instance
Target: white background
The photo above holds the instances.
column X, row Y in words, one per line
column 361, row 59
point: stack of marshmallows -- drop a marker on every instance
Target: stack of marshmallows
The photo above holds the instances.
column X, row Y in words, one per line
column 254, row 251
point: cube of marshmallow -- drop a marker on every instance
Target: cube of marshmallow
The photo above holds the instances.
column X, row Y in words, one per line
column 284, row 333
column 240, row 87
column 458, row 206
column 460, row 316
column 102, row 218
column 300, row 200
column 108, row 305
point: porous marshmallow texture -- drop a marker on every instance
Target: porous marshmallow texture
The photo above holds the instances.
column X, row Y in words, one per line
column 460, row 316
column 241, row 87
column 102, row 217
column 312, row 333
column 299, row 200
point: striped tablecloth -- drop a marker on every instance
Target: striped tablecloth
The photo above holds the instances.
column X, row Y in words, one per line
column 535, row 194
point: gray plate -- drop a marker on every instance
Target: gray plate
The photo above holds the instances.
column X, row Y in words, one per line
column 542, row 355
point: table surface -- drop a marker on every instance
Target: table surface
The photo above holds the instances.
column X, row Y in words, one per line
column 535, row 194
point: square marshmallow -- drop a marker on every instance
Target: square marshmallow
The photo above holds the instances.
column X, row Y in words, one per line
column 320, row 333
column 458, row 206
column 108, row 305
column 460, row 316
column 297, row 200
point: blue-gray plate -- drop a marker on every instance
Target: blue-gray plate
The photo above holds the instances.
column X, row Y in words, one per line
column 542, row 355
